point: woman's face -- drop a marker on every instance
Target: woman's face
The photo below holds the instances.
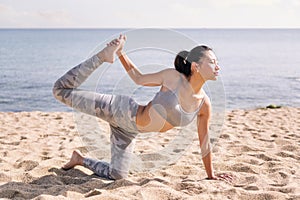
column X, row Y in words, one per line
column 208, row 66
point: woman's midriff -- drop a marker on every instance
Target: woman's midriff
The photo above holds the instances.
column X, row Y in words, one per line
column 149, row 120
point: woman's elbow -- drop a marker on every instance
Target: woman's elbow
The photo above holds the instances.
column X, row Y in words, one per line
column 139, row 81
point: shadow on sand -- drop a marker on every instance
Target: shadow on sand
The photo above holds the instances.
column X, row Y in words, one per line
column 59, row 183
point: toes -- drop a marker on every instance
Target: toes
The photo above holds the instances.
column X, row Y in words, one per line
column 113, row 43
column 122, row 37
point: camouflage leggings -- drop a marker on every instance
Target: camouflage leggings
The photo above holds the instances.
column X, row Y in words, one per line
column 119, row 111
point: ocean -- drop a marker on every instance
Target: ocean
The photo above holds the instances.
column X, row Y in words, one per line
column 258, row 66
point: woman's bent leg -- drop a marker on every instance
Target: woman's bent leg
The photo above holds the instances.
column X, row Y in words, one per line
column 122, row 140
column 100, row 168
column 121, row 151
column 122, row 148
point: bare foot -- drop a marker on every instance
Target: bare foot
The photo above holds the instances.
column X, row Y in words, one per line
column 108, row 53
column 76, row 159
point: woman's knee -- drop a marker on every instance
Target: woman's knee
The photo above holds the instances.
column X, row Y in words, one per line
column 117, row 175
column 55, row 91
column 63, row 95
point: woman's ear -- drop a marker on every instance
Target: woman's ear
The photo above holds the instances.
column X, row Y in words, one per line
column 194, row 67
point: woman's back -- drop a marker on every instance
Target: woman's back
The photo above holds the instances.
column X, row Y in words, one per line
column 174, row 105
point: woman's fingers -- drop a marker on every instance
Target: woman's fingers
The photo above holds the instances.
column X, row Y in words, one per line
column 223, row 177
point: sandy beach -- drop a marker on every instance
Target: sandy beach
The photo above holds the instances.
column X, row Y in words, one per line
column 260, row 148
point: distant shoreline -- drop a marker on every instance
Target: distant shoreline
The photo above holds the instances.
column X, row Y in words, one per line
column 170, row 28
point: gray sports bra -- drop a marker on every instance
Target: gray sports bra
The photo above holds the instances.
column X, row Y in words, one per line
column 167, row 105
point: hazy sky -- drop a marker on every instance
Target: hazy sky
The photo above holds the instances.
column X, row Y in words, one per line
column 150, row 13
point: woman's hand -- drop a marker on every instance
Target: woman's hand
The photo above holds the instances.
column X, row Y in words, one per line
column 222, row 176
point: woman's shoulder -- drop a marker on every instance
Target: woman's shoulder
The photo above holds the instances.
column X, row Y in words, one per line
column 171, row 78
column 170, row 70
column 206, row 105
column 170, row 73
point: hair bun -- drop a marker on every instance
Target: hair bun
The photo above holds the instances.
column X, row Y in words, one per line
column 181, row 63
column 184, row 59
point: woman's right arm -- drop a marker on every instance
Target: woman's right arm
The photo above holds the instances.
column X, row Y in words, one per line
column 152, row 79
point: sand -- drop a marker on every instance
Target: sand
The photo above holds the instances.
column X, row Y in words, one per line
column 259, row 147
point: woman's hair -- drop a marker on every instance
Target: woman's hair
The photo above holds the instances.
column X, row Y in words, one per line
column 184, row 59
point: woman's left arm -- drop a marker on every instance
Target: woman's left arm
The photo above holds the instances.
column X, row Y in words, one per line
column 203, row 129
column 203, row 135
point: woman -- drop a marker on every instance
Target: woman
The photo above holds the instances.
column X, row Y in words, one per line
column 178, row 102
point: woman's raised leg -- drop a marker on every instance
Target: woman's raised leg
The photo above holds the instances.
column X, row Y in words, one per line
column 65, row 88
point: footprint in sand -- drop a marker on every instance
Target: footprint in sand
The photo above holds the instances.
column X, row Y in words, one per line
column 242, row 168
column 224, row 136
column 10, row 143
column 251, row 187
column 152, row 157
column 27, row 178
column 279, row 177
column 245, row 148
column 93, row 192
column 291, row 148
column 286, row 190
column 246, row 181
column 3, row 154
column 4, row 177
column 190, row 187
column 294, row 135
column 45, row 155
column 285, row 155
column 27, row 165
column 263, row 157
